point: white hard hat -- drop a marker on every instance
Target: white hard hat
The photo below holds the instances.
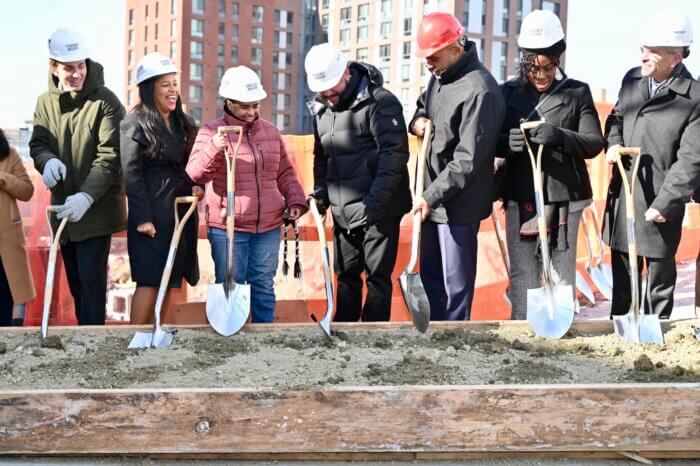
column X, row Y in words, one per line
column 669, row 29
column 152, row 65
column 242, row 84
column 324, row 66
column 67, row 45
column 540, row 29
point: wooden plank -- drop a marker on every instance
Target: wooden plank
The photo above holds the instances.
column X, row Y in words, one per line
column 410, row 419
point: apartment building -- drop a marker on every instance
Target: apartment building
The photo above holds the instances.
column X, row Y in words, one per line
column 205, row 37
column 382, row 32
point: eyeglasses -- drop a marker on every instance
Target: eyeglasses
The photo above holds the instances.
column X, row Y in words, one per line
column 544, row 69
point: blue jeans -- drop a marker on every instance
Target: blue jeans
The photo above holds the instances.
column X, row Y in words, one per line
column 255, row 259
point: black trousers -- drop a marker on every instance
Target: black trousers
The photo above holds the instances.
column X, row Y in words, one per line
column 6, row 303
column 661, row 282
column 86, row 270
column 374, row 252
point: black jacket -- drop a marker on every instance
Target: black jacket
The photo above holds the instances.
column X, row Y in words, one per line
column 360, row 154
column 466, row 108
column 667, row 128
column 571, row 108
column 152, row 183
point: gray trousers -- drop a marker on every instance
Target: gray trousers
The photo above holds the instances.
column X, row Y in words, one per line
column 525, row 265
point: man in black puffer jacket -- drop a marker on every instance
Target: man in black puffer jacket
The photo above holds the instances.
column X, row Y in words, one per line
column 360, row 157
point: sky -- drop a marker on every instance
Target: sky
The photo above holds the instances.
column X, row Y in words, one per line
column 602, row 41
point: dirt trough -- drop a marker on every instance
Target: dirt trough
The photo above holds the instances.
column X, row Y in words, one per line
column 302, row 358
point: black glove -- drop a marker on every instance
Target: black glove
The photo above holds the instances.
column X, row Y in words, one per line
column 321, row 204
column 516, row 140
column 548, row 135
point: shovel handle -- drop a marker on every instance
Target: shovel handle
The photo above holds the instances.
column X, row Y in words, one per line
column 528, row 125
column 230, row 195
column 419, row 184
column 50, row 271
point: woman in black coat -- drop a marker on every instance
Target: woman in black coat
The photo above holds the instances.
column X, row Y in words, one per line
column 571, row 134
column 156, row 138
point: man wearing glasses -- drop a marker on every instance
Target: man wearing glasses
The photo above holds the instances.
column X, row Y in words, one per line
column 658, row 110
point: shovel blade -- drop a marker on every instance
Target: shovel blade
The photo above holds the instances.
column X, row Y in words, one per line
column 416, row 299
column 550, row 317
column 601, row 281
column 584, row 288
column 141, row 340
column 648, row 329
column 228, row 314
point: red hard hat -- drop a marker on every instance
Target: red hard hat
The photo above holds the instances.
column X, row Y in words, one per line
column 436, row 31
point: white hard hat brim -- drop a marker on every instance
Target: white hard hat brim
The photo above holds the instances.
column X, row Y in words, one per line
column 253, row 97
column 163, row 72
column 321, row 85
column 69, row 58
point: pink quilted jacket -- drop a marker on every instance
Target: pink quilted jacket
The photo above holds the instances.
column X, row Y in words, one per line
column 266, row 182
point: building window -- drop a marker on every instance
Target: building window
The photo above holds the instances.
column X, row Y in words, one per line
column 407, row 7
column 234, row 32
column 131, row 37
column 362, row 54
column 197, row 28
column 173, row 28
column 220, row 52
column 172, row 6
column 551, row 6
column 196, row 114
column 345, row 14
column 363, row 12
column 219, row 72
column 222, row 31
column 156, row 9
column 290, row 18
column 362, row 33
column 130, row 98
column 258, row 13
column 385, row 29
column 500, row 17
column 131, row 17
column 145, row 50
column 130, row 59
column 523, row 10
column 385, row 51
column 404, row 97
column 256, row 55
column 407, row 26
column 407, row 49
column 499, row 60
column 345, row 36
column 145, row 33
column 289, row 39
column 198, row 7
column 195, row 94
column 196, row 71
column 235, row 10
column 173, row 50
column 386, row 8
column 282, row 59
column 326, row 4
column 130, row 77
column 146, row 13
column 156, row 31
column 386, row 73
column 234, row 54
column 222, row 8
column 475, row 15
column 257, row 35
column 283, row 18
column 406, row 72
column 324, row 23
column 196, row 50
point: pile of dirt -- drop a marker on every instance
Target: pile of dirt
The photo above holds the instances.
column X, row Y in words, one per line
column 303, row 358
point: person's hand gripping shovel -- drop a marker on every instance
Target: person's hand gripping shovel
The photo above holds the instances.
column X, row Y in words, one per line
column 50, row 271
column 550, row 309
column 159, row 337
column 412, row 288
column 635, row 326
column 228, row 303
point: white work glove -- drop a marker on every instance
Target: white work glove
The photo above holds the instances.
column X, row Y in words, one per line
column 75, row 207
column 611, row 155
column 54, row 171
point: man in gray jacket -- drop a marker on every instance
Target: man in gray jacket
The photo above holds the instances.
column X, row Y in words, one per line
column 658, row 110
column 465, row 105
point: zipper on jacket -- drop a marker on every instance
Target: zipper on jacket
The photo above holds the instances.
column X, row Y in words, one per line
column 337, row 175
column 257, row 185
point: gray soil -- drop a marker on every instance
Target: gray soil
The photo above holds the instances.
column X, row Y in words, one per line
column 291, row 359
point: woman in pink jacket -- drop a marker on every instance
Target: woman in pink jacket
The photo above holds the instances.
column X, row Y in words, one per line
column 267, row 189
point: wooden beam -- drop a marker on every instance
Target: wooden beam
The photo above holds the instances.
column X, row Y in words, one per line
column 410, row 419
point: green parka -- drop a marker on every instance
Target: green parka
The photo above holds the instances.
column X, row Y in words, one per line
column 82, row 130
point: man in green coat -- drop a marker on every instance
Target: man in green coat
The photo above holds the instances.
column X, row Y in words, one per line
column 75, row 146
